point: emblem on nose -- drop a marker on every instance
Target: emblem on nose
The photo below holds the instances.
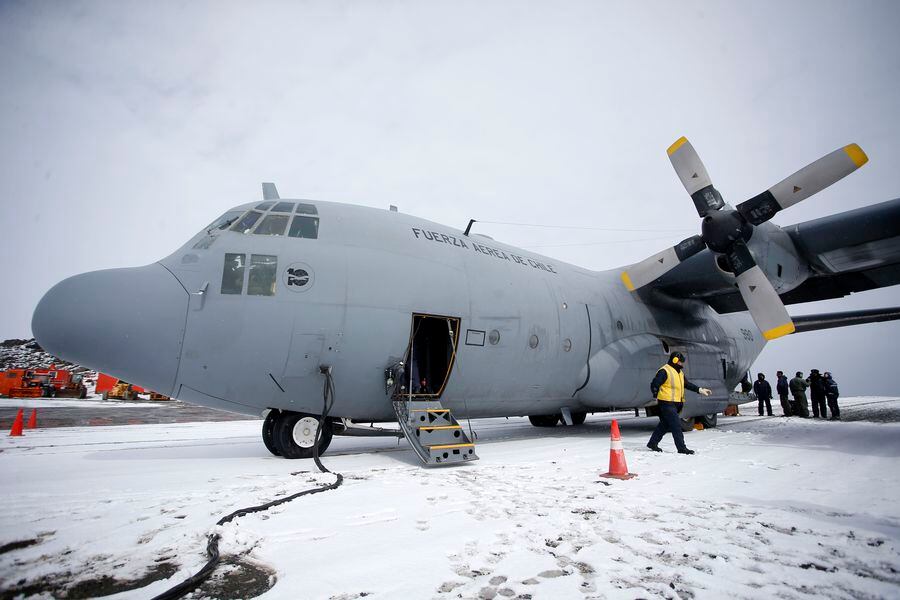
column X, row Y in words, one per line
column 298, row 277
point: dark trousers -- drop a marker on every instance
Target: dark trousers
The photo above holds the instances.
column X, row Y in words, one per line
column 819, row 406
column 669, row 422
column 768, row 402
column 785, row 404
column 801, row 408
column 833, row 406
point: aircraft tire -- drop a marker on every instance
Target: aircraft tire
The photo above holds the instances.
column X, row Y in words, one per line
column 268, row 432
column 709, row 421
column 687, row 424
column 544, row 420
column 293, row 431
column 578, row 417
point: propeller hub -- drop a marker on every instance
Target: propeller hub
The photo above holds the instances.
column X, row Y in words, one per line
column 722, row 228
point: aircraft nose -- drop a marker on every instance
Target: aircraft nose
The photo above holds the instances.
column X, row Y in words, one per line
column 126, row 322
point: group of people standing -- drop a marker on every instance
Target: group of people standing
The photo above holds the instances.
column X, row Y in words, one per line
column 822, row 389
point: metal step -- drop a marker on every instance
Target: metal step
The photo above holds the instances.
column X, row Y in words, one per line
column 434, row 434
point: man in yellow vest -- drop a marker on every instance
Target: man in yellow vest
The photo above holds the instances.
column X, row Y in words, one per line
column 668, row 388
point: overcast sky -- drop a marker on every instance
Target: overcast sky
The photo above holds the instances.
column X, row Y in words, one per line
column 126, row 127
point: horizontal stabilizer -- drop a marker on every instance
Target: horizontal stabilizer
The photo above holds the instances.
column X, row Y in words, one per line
column 845, row 319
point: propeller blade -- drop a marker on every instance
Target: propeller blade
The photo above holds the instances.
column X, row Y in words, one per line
column 809, row 180
column 694, row 177
column 649, row 269
column 762, row 300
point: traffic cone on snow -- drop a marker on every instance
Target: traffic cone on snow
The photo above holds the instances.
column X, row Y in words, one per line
column 32, row 420
column 617, row 467
column 17, row 424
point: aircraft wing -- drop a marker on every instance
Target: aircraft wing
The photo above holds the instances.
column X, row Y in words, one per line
column 848, row 252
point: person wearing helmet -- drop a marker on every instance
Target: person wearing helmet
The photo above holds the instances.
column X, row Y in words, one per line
column 668, row 388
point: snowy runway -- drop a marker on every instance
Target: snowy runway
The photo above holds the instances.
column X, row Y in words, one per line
column 768, row 507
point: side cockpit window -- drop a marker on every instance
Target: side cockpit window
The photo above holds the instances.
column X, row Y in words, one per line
column 261, row 274
column 263, row 268
column 233, row 273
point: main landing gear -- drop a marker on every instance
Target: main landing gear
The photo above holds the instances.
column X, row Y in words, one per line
column 293, row 435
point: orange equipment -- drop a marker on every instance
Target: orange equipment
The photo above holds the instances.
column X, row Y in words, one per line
column 37, row 383
column 110, row 387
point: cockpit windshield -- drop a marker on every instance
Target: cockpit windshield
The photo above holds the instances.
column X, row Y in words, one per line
column 273, row 218
column 224, row 221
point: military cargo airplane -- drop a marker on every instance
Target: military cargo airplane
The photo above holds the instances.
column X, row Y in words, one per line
column 251, row 311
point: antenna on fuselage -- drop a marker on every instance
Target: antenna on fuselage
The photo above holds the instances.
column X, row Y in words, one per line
column 270, row 192
column 469, row 226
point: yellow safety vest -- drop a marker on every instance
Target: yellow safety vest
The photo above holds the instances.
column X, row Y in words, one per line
column 672, row 389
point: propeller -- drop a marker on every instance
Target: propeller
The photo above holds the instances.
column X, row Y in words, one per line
column 726, row 231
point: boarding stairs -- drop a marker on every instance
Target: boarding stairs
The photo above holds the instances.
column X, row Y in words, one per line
column 433, row 432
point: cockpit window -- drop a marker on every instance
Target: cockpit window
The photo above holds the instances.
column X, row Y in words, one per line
column 263, row 268
column 264, row 205
column 304, row 227
column 306, row 209
column 272, row 225
column 283, row 207
column 233, row 273
column 247, row 221
column 224, row 221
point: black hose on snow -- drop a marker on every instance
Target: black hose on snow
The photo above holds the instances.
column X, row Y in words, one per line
column 212, row 540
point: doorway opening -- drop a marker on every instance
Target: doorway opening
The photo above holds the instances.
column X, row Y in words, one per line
column 431, row 354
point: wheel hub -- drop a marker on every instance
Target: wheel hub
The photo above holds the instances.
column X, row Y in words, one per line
column 304, row 432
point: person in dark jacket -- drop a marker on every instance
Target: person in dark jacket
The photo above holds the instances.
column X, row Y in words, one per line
column 668, row 388
column 798, row 387
column 763, row 392
column 817, row 394
column 781, row 385
column 831, row 394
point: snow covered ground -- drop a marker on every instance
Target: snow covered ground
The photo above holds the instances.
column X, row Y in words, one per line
column 768, row 507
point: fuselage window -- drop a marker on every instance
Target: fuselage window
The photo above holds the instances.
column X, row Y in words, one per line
column 306, row 209
column 233, row 273
column 283, row 207
column 263, row 268
column 305, row 227
column 272, row 225
column 264, row 205
column 247, row 222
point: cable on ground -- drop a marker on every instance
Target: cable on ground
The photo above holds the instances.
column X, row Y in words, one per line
column 212, row 540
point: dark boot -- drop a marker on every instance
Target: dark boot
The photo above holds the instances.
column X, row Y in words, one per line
column 654, row 447
column 685, row 451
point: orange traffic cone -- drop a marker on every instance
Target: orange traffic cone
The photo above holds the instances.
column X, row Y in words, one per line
column 617, row 467
column 32, row 420
column 17, row 424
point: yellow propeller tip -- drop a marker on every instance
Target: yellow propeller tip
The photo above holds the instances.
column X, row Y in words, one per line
column 780, row 331
column 627, row 281
column 678, row 144
column 856, row 154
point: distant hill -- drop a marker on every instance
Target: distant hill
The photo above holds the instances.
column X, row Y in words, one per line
column 27, row 354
